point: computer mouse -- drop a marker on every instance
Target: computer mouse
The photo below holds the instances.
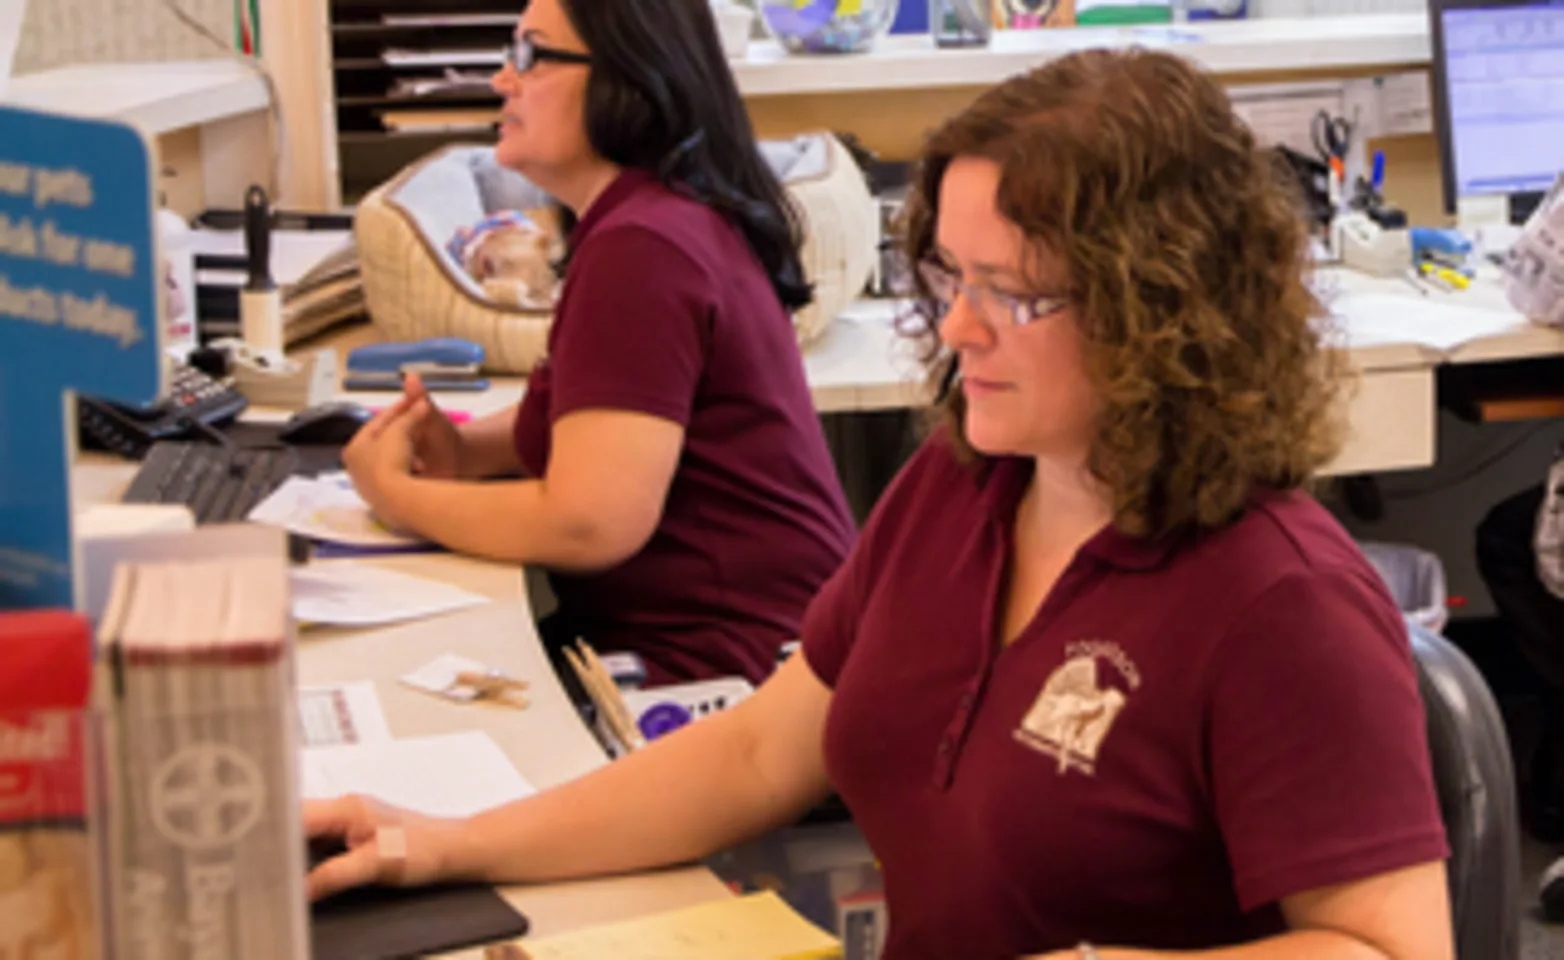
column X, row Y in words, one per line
column 329, row 423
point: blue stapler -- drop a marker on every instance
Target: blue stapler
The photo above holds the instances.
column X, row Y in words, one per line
column 443, row 363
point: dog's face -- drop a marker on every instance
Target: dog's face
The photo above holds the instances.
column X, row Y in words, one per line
column 520, row 253
column 510, row 252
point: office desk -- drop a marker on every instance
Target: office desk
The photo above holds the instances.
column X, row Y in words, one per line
column 547, row 742
column 857, row 364
column 861, row 364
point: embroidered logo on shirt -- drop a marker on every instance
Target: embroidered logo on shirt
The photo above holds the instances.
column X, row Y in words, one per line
column 1074, row 711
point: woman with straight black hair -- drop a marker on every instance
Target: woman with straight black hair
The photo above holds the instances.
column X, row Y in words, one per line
column 666, row 466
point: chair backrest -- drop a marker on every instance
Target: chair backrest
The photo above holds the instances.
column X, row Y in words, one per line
column 1475, row 780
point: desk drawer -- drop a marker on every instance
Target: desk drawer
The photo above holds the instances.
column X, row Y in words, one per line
column 1390, row 422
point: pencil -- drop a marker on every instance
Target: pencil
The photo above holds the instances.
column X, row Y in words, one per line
column 609, row 705
column 615, row 698
column 611, row 702
column 588, row 680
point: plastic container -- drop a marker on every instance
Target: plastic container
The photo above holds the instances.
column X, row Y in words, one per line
column 734, row 23
column 827, row 26
column 1416, row 579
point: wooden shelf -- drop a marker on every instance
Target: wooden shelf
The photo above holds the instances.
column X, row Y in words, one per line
column 1240, row 46
column 156, row 97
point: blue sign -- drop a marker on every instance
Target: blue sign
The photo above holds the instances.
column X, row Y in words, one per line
column 79, row 310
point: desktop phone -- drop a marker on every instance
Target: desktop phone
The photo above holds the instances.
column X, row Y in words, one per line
column 194, row 400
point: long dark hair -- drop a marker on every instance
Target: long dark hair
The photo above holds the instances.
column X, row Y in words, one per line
column 661, row 98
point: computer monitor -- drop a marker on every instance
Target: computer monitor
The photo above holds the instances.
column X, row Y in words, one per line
column 1498, row 85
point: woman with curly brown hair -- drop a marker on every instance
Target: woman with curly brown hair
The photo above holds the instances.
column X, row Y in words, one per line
column 1098, row 671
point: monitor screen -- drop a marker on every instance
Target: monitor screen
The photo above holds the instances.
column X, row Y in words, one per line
column 1503, row 77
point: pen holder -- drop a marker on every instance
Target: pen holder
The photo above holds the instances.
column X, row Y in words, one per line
column 1363, row 245
column 268, row 380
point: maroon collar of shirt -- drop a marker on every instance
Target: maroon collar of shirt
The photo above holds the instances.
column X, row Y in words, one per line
column 1004, row 480
column 629, row 179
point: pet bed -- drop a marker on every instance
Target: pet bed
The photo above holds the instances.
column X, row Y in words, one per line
column 414, row 288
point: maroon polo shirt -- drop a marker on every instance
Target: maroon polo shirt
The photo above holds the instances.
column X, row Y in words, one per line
column 1185, row 733
column 666, row 311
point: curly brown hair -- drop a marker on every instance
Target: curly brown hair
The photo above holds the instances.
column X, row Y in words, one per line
column 1187, row 267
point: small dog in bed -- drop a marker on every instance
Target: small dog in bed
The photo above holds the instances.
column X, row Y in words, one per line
column 512, row 256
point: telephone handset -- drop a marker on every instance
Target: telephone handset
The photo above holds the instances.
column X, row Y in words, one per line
column 193, row 398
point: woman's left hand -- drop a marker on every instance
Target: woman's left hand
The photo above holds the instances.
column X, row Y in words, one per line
column 379, row 458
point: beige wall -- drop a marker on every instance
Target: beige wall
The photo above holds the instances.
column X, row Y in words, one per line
column 58, row 33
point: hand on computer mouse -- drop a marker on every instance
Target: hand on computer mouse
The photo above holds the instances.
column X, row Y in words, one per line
column 382, row 845
column 437, row 444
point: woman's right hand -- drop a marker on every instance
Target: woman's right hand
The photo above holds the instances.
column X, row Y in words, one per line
column 437, row 444
column 384, row 845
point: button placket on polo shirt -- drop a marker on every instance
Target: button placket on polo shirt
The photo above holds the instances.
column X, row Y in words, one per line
column 1064, row 592
column 955, row 735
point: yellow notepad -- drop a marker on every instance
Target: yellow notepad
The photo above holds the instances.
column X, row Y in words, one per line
column 757, row 927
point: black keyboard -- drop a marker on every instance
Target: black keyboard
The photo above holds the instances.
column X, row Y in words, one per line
column 220, row 484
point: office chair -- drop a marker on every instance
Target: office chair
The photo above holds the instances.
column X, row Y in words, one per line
column 1476, row 785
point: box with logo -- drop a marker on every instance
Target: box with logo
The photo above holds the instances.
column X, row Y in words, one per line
column 48, row 864
column 196, row 687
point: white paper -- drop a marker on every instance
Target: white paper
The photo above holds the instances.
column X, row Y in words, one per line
column 438, row 676
column 294, row 253
column 345, row 593
column 1283, row 114
column 10, row 35
column 454, row 775
column 449, row 20
column 1377, row 319
column 442, row 58
column 326, row 508
column 342, row 714
column 1405, row 105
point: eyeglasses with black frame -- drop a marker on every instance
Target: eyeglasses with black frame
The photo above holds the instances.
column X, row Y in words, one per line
column 521, row 55
column 997, row 308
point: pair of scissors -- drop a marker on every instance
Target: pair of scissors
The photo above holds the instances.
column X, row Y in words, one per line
column 1332, row 136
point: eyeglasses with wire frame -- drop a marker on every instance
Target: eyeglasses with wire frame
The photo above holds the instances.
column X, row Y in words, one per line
column 999, row 309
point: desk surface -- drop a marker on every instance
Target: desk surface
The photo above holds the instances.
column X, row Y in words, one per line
column 861, row 363
column 156, row 97
column 547, row 742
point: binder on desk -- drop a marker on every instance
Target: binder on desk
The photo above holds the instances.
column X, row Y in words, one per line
column 379, row 923
column 314, row 261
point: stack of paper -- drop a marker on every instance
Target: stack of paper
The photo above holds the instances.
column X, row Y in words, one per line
column 455, row 775
column 1377, row 319
column 327, row 508
column 354, row 594
column 316, row 270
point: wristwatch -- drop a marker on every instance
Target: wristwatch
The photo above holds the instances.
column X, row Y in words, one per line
column 1088, row 952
